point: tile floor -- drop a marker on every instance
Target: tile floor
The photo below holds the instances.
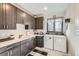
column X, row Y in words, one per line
column 50, row 52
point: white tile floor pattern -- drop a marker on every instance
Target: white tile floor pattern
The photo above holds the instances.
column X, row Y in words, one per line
column 50, row 52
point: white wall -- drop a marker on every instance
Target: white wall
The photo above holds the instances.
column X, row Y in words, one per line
column 73, row 40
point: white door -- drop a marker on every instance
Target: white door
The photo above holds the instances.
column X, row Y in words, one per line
column 48, row 42
column 60, row 43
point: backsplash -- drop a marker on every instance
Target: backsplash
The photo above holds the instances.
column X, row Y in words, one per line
column 39, row 31
column 29, row 32
column 19, row 31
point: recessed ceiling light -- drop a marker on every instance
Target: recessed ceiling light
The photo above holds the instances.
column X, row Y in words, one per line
column 45, row 8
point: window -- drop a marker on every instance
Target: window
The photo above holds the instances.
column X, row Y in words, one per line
column 77, row 25
column 50, row 25
column 55, row 25
column 58, row 25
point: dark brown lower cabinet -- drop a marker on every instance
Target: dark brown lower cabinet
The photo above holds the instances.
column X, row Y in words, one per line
column 6, row 53
column 11, row 50
column 14, row 49
column 18, row 49
column 27, row 46
column 24, row 49
column 31, row 44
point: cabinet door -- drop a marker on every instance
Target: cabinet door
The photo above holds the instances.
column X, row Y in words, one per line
column 5, row 53
column 60, row 43
column 39, row 23
column 4, row 14
column 23, row 49
column 1, row 15
column 31, row 44
column 48, row 42
column 39, row 41
column 27, row 46
column 16, row 51
column 19, row 16
column 10, row 17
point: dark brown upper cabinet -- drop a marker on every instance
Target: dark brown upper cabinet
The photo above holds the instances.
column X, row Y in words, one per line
column 7, row 16
column 39, row 23
column 4, row 15
column 20, row 16
column 10, row 17
column 29, row 21
column 1, row 17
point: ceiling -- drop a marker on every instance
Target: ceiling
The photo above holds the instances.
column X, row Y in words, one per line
column 38, row 8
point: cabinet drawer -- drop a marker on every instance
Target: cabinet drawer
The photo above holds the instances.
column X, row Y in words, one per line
column 13, row 45
column 23, row 42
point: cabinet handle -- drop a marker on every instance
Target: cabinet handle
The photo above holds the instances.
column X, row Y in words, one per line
column 8, row 53
column 4, row 26
column 7, row 26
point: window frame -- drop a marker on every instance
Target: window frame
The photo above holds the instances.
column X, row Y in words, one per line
column 54, row 24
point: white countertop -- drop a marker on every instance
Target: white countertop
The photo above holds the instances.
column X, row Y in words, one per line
column 50, row 35
column 6, row 43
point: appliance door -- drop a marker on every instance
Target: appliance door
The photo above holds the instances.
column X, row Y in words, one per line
column 48, row 42
column 60, row 43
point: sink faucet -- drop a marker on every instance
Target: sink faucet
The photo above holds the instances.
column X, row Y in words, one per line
column 20, row 36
